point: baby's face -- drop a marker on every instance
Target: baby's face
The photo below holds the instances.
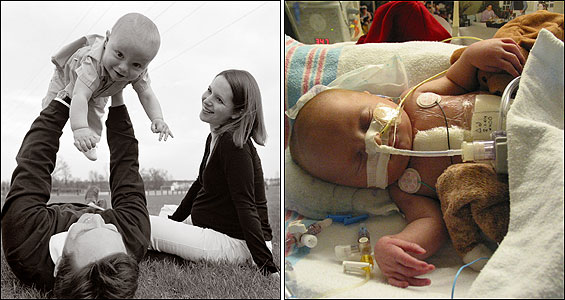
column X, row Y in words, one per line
column 330, row 137
column 125, row 59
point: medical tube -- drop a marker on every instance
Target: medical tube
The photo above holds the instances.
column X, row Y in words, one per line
column 347, row 252
column 478, row 151
column 391, row 150
column 319, row 226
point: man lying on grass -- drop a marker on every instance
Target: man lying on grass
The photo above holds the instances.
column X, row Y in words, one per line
column 76, row 250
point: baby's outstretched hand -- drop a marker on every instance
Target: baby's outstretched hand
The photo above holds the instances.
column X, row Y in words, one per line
column 159, row 126
column 496, row 55
column 399, row 267
column 85, row 139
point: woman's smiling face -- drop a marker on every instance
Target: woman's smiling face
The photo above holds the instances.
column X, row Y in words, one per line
column 217, row 103
column 329, row 139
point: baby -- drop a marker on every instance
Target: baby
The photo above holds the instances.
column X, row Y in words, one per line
column 92, row 68
column 333, row 133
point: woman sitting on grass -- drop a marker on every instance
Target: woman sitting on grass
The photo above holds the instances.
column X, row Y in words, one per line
column 225, row 210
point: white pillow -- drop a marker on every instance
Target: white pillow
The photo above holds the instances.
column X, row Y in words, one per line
column 315, row 198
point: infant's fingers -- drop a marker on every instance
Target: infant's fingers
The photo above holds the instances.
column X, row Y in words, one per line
column 513, row 47
column 411, row 272
column 515, row 61
column 413, row 281
column 409, row 261
column 77, row 145
column 398, row 283
column 408, row 246
column 82, row 146
column 88, row 144
column 510, row 68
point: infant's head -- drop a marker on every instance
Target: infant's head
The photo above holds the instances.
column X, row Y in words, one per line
column 130, row 47
column 328, row 137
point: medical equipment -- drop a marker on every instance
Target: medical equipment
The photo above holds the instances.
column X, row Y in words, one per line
column 360, row 251
column 362, row 267
column 495, row 150
column 301, row 236
column 480, row 150
column 324, row 22
column 348, row 219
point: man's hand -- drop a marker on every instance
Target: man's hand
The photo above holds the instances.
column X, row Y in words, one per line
column 496, row 55
column 159, row 126
column 399, row 267
column 85, row 139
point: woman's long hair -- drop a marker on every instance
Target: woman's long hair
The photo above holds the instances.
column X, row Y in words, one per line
column 246, row 101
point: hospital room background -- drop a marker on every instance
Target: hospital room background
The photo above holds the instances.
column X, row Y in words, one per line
column 327, row 45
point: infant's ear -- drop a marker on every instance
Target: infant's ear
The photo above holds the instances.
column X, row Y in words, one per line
column 456, row 54
column 366, row 92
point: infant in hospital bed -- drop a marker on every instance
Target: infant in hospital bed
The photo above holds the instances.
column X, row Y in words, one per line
column 342, row 136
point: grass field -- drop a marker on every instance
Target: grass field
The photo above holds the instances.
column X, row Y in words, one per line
column 167, row 276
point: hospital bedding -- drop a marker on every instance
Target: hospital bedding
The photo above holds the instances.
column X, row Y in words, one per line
column 529, row 261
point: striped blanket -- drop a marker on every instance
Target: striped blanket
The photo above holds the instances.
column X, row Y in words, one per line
column 308, row 65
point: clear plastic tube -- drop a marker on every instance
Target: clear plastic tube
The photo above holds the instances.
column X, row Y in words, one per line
column 391, row 150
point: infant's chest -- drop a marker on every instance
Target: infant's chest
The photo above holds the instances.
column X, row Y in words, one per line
column 450, row 111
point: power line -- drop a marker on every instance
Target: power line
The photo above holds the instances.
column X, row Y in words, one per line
column 100, row 18
column 184, row 18
column 154, row 3
column 163, row 11
column 211, row 35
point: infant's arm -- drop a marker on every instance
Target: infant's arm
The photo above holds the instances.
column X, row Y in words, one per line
column 79, row 105
column 153, row 109
column 425, row 222
column 422, row 237
column 150, row 104
column 492, row 55
column 85, row 138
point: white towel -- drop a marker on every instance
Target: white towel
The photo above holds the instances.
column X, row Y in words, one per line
column 529, row 261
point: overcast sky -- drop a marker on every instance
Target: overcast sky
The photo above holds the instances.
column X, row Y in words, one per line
column 198, row 40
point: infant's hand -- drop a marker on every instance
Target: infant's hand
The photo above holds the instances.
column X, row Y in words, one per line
column 399, row 267
column 496, row 55
column 158, row 125
column 85, row 139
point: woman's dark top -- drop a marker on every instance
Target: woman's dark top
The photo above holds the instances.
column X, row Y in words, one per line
column 229, row 197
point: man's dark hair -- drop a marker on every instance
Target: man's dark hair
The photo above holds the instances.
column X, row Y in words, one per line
column 114, row 276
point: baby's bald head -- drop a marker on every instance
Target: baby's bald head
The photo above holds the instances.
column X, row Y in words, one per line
column 138, row 30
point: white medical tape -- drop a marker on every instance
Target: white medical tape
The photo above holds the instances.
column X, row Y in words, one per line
column 377, row 162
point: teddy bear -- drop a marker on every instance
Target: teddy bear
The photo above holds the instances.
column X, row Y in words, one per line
column 475, row 204
column 524, row 31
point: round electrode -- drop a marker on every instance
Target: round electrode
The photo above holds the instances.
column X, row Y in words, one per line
column 427, row 100
column 409, row 182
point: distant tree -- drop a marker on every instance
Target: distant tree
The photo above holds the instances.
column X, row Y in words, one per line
column 154, row 178
column 62, row 172
column 5, row 187
column 94, row 176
